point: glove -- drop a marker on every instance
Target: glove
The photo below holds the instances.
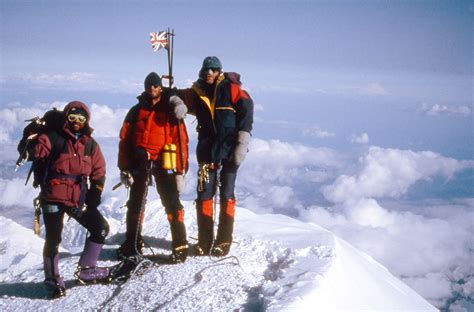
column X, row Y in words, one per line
column 179, row 108
column 140, row 155
column 180, row 183
column 241, row 148
column 126, row 178
column 93, row 196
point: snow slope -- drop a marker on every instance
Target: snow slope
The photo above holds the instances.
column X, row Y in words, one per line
column 276, row 264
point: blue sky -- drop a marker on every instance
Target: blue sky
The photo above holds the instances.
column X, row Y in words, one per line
column 321, row 72
column 384, row 63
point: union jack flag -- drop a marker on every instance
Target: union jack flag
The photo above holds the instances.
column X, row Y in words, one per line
column 159, row 40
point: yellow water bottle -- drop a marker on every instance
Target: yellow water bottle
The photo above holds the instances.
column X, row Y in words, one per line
column 169, row 157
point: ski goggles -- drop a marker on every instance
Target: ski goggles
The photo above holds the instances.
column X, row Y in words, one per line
column 213, row 69
column 76, row 117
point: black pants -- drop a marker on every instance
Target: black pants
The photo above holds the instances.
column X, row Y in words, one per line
column 205, row 219
column 169, row 195
column 228, row 176
column 91, row 219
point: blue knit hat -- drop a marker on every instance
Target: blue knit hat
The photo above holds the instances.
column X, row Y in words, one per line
column 208, row 63
column 211, row 62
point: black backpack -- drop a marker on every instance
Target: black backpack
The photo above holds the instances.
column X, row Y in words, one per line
column 52, row 121
column 50, row 124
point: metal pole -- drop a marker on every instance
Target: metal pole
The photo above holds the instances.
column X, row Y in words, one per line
column 171, row 80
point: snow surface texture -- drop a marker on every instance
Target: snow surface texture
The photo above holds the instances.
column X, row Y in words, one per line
column 276, row 264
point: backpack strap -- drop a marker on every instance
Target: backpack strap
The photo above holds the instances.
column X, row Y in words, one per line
column 90, row 146
column 58, row 145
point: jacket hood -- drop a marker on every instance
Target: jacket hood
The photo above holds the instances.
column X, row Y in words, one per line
column 143, row 98
column 77, row 104
column 233, row 77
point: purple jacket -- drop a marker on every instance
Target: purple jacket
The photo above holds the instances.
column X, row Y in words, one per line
column 60, row 186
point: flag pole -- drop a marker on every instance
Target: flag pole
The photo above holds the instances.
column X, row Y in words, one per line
column 170, row 35
column 170, row 56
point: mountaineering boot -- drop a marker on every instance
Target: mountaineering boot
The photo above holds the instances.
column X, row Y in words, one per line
column 220, row 250
column 129, row 249
column 226, row 227
column 53, row 282
column 205, row 224
column 87, row 272
column 133, row 245
column 179, row 254
column 178, row 236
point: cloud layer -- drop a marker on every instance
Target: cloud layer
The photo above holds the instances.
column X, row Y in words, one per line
column 74, row 81
column 360, row 195
column 438, row 109
column 390, row 173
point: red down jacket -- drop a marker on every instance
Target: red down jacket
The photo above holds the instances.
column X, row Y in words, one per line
column 148, row 128
column 72, row 166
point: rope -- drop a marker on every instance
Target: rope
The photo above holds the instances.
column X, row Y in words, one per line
column 198, row 277
column 139, row 270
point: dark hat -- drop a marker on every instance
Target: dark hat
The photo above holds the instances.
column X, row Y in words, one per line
column 152, row 80
column 78, row 111
column 208, row 63
column 211, row 62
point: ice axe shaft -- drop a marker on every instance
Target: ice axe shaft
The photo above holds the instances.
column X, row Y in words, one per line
column 116, row 186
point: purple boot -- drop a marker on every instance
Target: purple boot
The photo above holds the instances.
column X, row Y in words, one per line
column 87, row 272
column 53, row 282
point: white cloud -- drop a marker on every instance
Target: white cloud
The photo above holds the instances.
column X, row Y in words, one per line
column 306, row 129
column 12, row 119
column 75, row 81
column 315, row 131
column 421, row 247
column 105, row 121
column 360, row 139
column 425, row 244
column 427, row 252
column 15, row 193
column 276, row 174
column 438, row 109
column 390, row 172
column 373, row 88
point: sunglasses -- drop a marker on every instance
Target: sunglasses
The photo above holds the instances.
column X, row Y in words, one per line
column 214, row 69
column 75, row 117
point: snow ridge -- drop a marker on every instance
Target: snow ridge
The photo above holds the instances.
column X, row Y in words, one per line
column 276, row 263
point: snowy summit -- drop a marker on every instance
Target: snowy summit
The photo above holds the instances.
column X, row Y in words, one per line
column 277, row 264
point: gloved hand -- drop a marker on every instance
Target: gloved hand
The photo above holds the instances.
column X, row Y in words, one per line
column 140, row 155
column 180, row 182
column 93, row 196
column 241, row 148
column 179, row 108
column 126, row 178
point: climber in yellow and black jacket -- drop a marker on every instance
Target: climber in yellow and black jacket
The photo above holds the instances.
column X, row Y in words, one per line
column 225, row 116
